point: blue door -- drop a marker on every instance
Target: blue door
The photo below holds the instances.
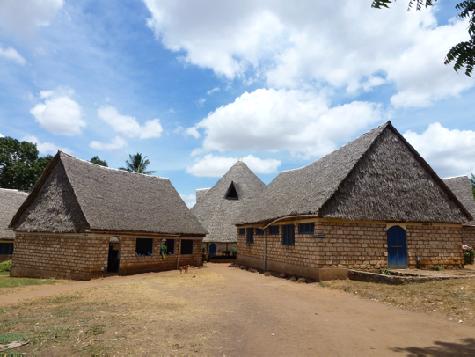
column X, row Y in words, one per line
column 397, row 247
column 212, row 250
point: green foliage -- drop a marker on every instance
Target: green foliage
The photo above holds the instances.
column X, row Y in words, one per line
column 468, row 256
column 20, row 164
column 473, row 184
column 137, row 163
column 463, row 53
column 233, row 251
column 6, row 338
column 98, row 161
column 5, row 266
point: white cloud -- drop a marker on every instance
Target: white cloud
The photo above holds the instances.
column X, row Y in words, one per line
column 213, row 90
column 1, row 135
column 216, row 166
column 44, row 147
column 116, row 144
column 10, row 54
column 451, row 152
column 193, row 132
column 189, row 198
column 128, row 126
column 59, row 113
column 22, row 17
column 349, row 45
column 300, row 122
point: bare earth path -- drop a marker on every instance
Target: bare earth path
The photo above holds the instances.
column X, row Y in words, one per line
column 219, row 310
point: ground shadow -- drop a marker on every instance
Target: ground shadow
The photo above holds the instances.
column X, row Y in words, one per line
column 441, row 349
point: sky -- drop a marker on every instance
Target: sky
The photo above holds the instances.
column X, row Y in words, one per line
column 197, row 85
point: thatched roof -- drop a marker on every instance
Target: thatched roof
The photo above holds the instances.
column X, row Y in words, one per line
column 75, row 195
column 218, row 213
column 10, row 200
column 462, row 188
column 379, row 176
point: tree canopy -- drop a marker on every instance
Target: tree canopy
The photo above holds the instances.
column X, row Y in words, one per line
column 98, row 161
column 473, row 185
column 20, row 164
column 137, row 163
column 461, row 54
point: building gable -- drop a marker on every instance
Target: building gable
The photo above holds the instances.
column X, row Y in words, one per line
column 392, row 182
column 52, row 207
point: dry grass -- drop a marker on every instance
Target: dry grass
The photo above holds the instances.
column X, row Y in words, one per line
column 115, row 319
column 453, row 298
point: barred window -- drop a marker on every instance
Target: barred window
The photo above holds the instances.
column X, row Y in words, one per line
column 306, row 228
column 249, row 235
column 259, row 232
column 143, row 247
column 273, row 230
column 288, row 234
column 6, row 248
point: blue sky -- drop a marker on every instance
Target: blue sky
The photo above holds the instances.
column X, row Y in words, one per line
column 195, row 85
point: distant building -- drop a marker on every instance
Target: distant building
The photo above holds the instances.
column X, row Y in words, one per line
column 83, row 221
column 218, row 207
column 372, row 204
column 10, row 200
column 462, row 188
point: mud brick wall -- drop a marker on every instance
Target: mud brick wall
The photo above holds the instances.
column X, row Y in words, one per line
column 59, row 255
column 131, row 263
column 359, row 245
column 468, row 233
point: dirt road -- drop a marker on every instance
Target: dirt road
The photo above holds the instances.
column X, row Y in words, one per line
column 219, row 310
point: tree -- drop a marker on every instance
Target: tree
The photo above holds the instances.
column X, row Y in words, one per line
column 98, row 161
column 463, row 53
column 473, row 185
column 137, row 163
column 20, row 164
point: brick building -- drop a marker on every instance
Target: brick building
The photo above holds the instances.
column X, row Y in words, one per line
column 371, row 204
column 462, row 188
column 10, row 200
column 218, row 207
column 83, row 221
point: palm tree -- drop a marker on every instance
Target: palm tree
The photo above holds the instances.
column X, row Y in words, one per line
column 137, row 163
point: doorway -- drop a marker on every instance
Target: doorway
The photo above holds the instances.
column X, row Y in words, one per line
column 397, row 247
column 113, row 258
column 212, row 250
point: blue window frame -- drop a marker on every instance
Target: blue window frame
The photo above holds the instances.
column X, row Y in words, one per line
column 288, row 234
column 306, row 228
column 273, row 230
column 249, row 235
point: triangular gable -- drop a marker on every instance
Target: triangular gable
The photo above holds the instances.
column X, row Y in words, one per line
column 52, row 206
column 391, row 181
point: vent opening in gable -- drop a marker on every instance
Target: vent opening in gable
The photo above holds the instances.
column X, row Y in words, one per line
column 231, row 193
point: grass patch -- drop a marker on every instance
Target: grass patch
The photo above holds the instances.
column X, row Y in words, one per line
column 10, row 337
column 453, row 298
column 6, row 281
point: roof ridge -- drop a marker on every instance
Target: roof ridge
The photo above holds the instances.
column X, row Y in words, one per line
column 110, row 168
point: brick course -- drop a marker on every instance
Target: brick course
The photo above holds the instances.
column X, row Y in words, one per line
column 83, row 256
column 360, row 245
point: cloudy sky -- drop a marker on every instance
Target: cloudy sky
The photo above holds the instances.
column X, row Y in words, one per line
column 196, row 85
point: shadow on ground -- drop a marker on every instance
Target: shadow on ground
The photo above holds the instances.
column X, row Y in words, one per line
column 441, row 349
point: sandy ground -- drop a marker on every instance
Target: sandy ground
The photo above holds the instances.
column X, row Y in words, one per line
column 221, row 311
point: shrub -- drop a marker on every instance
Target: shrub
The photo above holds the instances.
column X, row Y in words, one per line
column 233, row 251
column 468, row 256
column 5, row 266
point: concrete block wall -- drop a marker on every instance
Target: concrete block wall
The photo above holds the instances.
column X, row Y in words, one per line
column 359, row 245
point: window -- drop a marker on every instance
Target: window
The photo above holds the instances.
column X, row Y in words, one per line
column 6, row 248
column 259, row 232
column 273, row 230
column 170, row 243
column 306, row 228
column 288, row 234
column 231, row 193
column 186, row 246
column 241, row 231
column 249, row 235
column 143, row 247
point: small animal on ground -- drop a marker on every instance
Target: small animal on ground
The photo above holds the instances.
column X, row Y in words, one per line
column 184, row 269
